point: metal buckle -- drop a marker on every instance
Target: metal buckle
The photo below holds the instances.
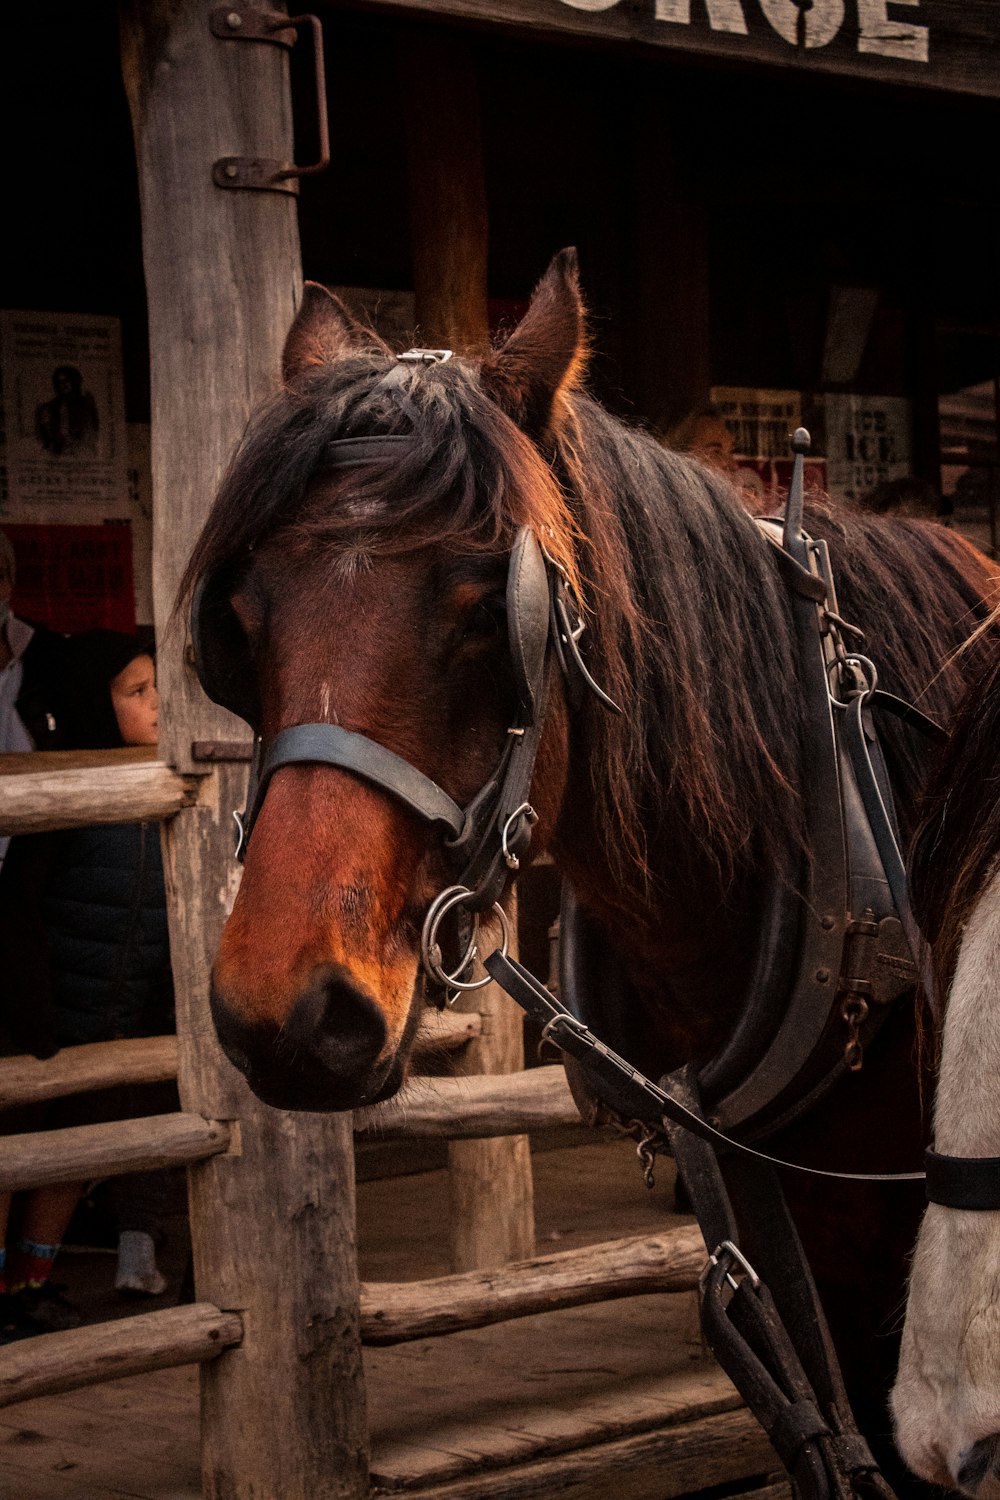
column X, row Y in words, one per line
column 241, row 834
column 735, row 1254
column 424, row 357
column 430, row 951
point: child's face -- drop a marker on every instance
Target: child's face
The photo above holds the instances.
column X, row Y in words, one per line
column 135, row 701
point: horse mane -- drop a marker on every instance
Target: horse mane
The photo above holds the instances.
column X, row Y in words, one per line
column 689, row 622
column 957, row 846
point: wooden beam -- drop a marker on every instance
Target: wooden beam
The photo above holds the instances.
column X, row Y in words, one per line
column 57, row 1362
column 952, row 45
column 37, row 801
column 395, row 1312
column 272, row 1227
column 470, row 1108
column 79, row 1070
column 44, row 1157
column 664, row 1464
column 443, row 1032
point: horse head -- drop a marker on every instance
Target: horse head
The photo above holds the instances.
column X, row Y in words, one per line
column 355, row 572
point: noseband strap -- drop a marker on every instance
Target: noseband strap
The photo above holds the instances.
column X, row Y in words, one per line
column 330, row 745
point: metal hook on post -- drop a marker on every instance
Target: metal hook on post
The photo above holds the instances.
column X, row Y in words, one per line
column 244, row 23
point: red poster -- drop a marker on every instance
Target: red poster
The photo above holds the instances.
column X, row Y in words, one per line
column 74, row 577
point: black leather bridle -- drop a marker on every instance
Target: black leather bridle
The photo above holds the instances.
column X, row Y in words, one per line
column 483, row 842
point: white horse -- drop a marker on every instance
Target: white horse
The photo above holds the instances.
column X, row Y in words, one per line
column 946, row 1401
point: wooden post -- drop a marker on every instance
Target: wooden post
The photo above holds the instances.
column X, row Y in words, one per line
column 492, row 1199
column 273, row 1219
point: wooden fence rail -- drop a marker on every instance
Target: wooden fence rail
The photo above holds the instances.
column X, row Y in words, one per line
column 84, row 1151
column 153, row 1059
column 56, row 1362
column 475, row 1106
column 130, row 792
column 395, row 1312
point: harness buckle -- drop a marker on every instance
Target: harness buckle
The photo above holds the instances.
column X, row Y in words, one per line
column 424, row 357
column 727, row 1251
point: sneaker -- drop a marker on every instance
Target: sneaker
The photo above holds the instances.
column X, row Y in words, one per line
column 138, row 1275
column 44, row 1309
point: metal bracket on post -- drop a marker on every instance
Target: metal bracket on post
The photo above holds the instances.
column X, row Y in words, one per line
column 245, row 23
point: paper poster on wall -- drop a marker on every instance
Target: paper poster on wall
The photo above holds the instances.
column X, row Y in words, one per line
column 74, row 577
column 761, row 421
column 868, row 441
column 64, row 417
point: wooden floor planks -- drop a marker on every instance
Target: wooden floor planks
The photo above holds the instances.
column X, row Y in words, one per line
column 592, row 1390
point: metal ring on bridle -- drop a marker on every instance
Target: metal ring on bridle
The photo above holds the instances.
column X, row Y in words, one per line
column 864, row 665
column 524, row 811
column 430, row 952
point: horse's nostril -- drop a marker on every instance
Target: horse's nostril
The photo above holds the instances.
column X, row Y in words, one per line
column 336, row 1023
column 978, row 1462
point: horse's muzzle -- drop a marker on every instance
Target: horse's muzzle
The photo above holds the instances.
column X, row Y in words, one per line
column 327, row 1055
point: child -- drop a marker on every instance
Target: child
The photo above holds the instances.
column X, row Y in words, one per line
column 85, row 958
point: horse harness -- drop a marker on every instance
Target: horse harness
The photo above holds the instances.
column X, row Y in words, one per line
column 759, row 1306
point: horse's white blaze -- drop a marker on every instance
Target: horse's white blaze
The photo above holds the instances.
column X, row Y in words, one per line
column 947, row 1393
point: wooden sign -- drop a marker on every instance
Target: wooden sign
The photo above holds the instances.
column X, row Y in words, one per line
column 942, row 44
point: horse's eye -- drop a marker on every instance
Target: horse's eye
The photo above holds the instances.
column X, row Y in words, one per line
column 484, row 624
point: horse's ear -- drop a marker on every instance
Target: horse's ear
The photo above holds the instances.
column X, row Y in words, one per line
column 546, row 354
column 324, row 331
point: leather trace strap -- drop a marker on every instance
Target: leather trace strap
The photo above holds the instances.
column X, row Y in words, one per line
column 762, row 1317
column 623, row 1088
column 967, row 1182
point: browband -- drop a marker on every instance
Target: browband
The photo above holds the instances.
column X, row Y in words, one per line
column 340, row 453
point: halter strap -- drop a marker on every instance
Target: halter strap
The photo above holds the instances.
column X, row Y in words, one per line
column 969, row 1182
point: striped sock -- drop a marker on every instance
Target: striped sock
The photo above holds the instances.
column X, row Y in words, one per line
column 30, row 1264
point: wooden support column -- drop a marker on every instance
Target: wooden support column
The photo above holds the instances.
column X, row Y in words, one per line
column 273, row 1218
column 669, row 369
column 492, row 1198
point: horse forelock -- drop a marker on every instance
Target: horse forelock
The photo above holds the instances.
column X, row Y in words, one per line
column 469, row 479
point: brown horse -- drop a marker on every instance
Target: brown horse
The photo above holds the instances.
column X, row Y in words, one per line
column 372, row 597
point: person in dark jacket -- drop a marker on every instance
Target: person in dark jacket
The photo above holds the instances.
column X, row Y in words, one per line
column 83, row 933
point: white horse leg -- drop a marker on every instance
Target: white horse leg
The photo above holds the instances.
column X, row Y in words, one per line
column 946, row 1401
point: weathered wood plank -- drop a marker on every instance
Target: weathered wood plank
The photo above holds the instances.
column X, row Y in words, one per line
column 57, row 1362
column 443, row 1032
column 393, row 1312
column 37, row 801
column 84, row 1151
column 272, row 1228
column 657, row 1465
column 468, row 1108
column 952, row 45
column 78, row 1070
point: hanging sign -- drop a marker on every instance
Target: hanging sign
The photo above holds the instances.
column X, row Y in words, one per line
column 946, row 44
column 867, row 443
